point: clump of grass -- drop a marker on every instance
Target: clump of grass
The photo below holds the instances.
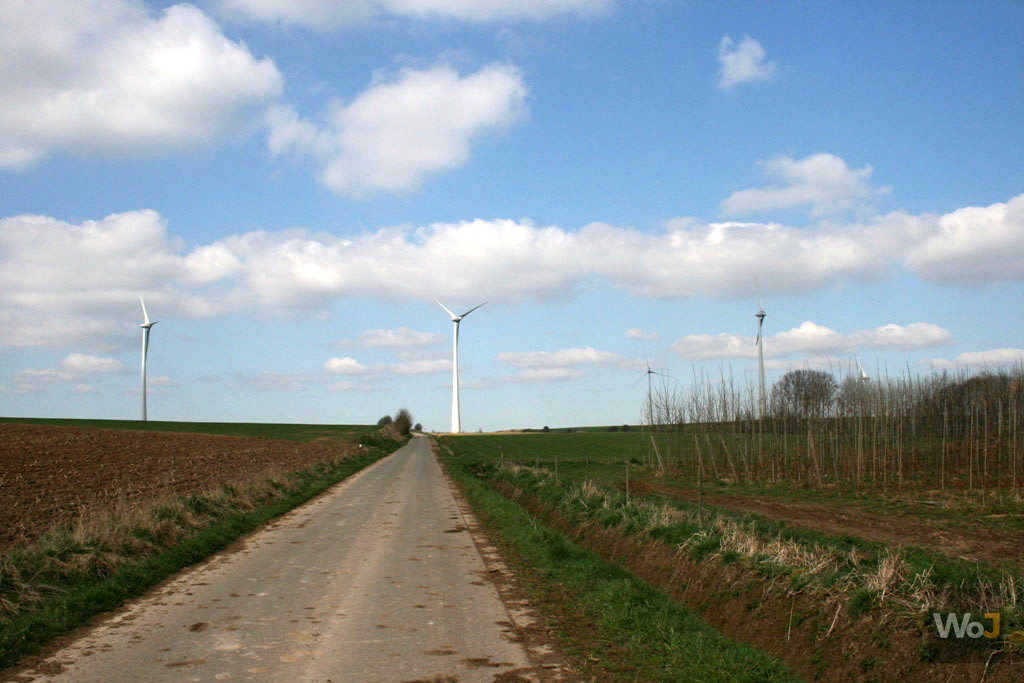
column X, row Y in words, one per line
column 833, row 566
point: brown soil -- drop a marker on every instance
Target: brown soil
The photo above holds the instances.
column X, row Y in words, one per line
column 817, row 639
column 51, row 475
column 972, row 542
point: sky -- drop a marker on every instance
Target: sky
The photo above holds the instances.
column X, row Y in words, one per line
column 290, row 185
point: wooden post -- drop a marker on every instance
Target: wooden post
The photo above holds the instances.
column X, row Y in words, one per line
column 627, row 483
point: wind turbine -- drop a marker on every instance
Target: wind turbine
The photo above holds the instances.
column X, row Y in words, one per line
column 456, row 319
column 761, row 404
column 863, row 375
column 649, row 372
column 146, row 327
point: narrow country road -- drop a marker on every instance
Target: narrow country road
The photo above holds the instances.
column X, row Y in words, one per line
column 380, row 579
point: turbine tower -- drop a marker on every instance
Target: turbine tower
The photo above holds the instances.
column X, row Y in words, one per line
column 146, row 327
column 762, row 406
column 863, row 375
column 456, row 319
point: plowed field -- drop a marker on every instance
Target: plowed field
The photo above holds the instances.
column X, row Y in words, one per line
column 50, row 474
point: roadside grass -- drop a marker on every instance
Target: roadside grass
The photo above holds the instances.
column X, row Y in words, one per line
column 613, row 626
column 835, row 566
column 287, row 431
column 77, row 571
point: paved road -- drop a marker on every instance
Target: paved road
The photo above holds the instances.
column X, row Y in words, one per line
column 378, row 580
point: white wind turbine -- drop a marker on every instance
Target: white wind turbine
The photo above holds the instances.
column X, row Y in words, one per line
column 863, row 375
column 146, row 327
column 762, row 405
column 456, row 319
column 650, row 405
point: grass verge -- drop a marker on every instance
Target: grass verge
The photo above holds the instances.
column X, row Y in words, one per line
column 76, row 572
column 613, row 625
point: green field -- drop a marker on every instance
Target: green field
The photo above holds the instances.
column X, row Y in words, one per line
column 873, row 553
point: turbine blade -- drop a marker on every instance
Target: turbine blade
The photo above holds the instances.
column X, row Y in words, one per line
column 145, row 316
column 471, row 310
column 446, row 309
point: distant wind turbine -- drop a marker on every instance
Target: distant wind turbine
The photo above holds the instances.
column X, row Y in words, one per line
column 456, row 319
column 863, row 375
column 762, row 405
column 146, row 327
column 650, row 406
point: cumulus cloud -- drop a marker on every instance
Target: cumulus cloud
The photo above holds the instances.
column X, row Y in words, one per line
column 345, row 366
column 327, row 14
column 77, row 284
column 547, row 375
column 973, row 245
column 104, row 77
column 81, row 363
column 401, row 338
column 640, row 335
column 988, row 359
column 399, row 131
column 821, row 181
column 271, row 381
column 425, row 366
column 810, row 337
column 72, row 369
column 586, row 355
column 742, row 62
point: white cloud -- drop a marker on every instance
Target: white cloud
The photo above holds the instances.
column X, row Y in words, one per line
column 810, row 337
column 587, row 355
column 397, row 339
column 822, row 181
column 640, row 335
column 421, row 367
column 973, row 245
column 347, row 385
column 399, row 131
column 76, row 285
column 103, row 77
column 271, row 381
column 991, row 358
column 742, row 63
column 547, row 375
column 345, row 366
column 327, row 14
column 31, row 377
column 81, row 363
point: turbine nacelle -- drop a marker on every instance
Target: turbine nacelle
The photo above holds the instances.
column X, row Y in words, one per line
column 458, row 318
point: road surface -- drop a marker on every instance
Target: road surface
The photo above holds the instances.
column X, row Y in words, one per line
column 380, row 579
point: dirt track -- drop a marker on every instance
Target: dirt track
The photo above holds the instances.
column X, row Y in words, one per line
column 973, row 542
column 50, row 475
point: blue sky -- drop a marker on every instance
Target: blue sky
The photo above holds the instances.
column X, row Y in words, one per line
column 290, row 188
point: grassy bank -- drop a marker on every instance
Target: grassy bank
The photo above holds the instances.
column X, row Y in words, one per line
column 826, row 603
column 613, row 625
column 76, row 571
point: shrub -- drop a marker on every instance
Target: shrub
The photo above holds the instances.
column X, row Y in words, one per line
column 403, row 421
column 384, row 421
